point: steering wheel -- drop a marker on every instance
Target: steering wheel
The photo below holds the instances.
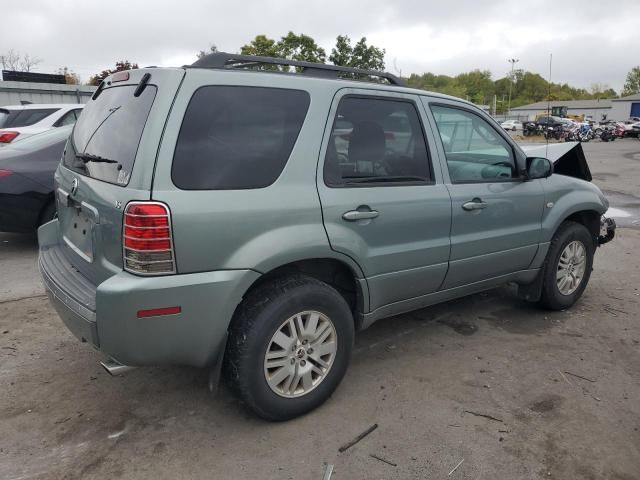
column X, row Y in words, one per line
column 503, row 164
column 491, row 172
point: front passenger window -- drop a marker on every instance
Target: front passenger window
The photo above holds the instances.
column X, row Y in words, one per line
column 376, row 141
column 475, row 152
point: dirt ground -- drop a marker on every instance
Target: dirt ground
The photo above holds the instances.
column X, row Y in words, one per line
column 488, row 383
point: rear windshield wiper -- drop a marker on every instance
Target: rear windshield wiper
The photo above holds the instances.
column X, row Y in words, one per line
column 87, row 157
column 380, row 179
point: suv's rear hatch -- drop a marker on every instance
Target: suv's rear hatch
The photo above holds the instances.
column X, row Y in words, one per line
column 108, row 162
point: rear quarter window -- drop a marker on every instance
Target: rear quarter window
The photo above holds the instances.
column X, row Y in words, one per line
column 237, row 137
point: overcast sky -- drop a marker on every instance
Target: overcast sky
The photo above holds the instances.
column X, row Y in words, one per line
column 591, row 41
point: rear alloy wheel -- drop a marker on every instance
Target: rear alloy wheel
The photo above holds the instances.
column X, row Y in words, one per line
column 568, row 266
column 289, row 346
column 300, row 354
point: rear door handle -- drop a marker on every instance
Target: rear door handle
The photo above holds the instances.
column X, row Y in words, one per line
column 353, row 215
column 475, row 204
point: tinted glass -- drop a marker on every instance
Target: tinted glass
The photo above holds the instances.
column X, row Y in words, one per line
column 475, row 151
column 237, row 137
column 110, row 128
column 376, row 140
column 3, row 116
column 26, row 118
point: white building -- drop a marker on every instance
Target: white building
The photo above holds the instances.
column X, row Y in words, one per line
column 595, row 109
column 14, row 93
column 625, row 107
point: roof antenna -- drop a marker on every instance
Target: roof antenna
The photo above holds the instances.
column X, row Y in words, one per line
column 546, row 154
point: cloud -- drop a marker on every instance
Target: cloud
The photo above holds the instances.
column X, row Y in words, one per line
column 590, row 43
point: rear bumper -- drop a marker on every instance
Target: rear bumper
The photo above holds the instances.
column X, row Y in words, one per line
column 109, row 320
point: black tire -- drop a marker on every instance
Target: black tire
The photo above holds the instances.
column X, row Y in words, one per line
column 259, row 316
column 48, row 213
column 566, row 233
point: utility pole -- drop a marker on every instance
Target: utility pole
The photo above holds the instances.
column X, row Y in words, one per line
column 513, row 62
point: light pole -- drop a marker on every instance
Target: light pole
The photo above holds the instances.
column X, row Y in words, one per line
column 513, row 62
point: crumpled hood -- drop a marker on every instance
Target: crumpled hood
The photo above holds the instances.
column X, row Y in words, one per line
column 567, row 158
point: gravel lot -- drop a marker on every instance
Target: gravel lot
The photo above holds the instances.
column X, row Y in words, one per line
column 514, row 391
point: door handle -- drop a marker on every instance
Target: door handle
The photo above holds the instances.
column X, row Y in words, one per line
column 475, row 204
column 353, row 215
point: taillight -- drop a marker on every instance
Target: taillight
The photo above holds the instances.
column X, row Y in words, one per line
column 147, row 241
column 5, row 173
column 8, row 137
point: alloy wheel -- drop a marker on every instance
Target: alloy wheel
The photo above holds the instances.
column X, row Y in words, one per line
column 571, row 267
column 300, row 354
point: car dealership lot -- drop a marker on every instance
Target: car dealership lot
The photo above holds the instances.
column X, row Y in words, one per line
column 514, row 391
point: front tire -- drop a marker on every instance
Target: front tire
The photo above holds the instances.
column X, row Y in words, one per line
column 568, row 266
column 289, row 346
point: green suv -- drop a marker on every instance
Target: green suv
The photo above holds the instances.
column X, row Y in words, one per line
column 250, row 214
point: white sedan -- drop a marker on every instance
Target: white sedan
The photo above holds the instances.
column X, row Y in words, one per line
column 512, row 125
column 18, row 122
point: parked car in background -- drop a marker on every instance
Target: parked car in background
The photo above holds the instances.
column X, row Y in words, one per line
column 213, row 216
column 631, row 128
column 18, row 122
column 512, row 125
column 26, row 180
column 550, row 121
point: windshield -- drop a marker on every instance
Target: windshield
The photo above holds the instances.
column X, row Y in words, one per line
column 24, row 118
column 105, row 139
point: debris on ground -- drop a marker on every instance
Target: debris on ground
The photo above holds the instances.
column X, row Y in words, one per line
column 350, row 444
column 484, row 415
column 580, row 376
column 456, row 467
column 384, row 460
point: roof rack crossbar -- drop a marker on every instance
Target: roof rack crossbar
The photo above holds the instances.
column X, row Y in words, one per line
column 224, row 60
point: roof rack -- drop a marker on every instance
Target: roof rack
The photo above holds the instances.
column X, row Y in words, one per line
column 224, row 60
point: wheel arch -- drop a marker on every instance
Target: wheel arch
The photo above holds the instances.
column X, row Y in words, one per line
column 342, row 274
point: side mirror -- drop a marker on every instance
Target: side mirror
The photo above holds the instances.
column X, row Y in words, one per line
column 538, row 167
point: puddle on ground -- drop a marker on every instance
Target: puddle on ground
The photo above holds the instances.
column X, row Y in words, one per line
column 463, row 327
column 624, row 209
column 521, row 319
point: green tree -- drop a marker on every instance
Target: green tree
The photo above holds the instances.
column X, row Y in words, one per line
column 300, row 47
column 120, row 66
column 361, row 55
column 476, row 85
column 632, row 85
column 261, row 46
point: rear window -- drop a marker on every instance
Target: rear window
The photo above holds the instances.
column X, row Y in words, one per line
column 237, row 137
column 25, row 118
column 105, row 139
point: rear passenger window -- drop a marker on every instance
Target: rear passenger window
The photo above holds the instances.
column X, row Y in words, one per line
column 376, row 141
column 237, row 137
